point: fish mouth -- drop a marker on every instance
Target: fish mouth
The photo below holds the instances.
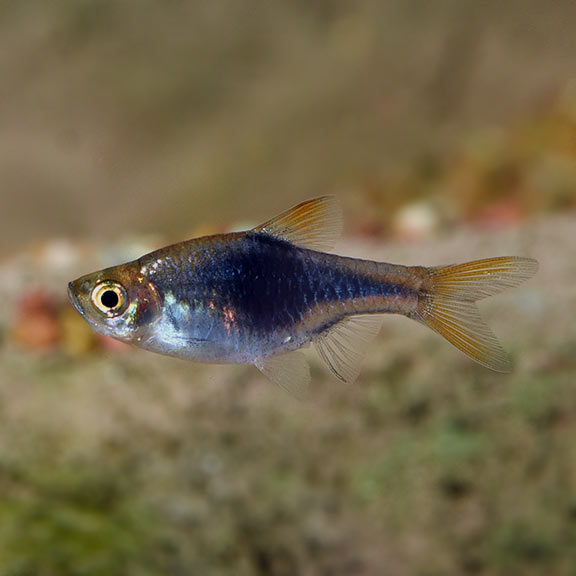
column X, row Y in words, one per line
column 73, row 299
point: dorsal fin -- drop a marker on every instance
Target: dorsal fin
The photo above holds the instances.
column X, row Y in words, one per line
column 315, row 224
column 344, row 345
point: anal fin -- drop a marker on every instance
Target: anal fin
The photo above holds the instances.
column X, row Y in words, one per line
column 344, row 345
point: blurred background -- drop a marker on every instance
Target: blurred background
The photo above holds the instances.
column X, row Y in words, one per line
column 448, row 131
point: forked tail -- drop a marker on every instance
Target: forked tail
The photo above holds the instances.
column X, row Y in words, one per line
column 447, row 304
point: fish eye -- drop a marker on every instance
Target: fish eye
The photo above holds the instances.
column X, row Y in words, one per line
column 110, row 298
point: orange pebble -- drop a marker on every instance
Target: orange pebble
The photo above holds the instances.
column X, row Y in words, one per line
column 36, row 326
column 36, row 331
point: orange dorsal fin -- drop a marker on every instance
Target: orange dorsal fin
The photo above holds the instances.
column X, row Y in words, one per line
column 314, row 224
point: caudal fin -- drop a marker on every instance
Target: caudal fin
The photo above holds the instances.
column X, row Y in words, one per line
column 447, row 304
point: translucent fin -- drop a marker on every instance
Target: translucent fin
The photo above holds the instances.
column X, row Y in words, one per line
column 315, row 224
column 447, row 304
column 344, row 345
column 290, row 371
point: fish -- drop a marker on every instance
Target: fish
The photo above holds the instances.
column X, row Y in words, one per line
column 263, row 295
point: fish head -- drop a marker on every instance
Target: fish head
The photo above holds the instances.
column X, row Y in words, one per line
column 118, row 302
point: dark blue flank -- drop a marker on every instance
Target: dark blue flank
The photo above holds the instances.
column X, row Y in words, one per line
column 270, row 284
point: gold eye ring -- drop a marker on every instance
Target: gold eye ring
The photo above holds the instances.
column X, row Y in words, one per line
column 110, row 298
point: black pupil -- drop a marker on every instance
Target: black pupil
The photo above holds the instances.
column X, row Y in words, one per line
column 109, row 299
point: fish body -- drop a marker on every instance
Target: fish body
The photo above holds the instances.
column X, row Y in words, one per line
column 259, row 296
column 240, row 297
